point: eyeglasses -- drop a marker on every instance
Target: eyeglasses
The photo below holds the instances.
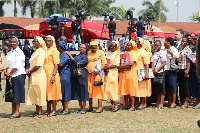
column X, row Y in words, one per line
column 34, row 41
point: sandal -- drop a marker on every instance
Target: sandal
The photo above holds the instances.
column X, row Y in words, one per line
column 51, row 114
column 76, row 112
column 33, row 114
column 196, row 107
column 37, row 116
column 131, row 109
column 82, row 112
column 115, row 110
column 45, row 113
column 15, row 116
column 159, row 107
column 184, row 106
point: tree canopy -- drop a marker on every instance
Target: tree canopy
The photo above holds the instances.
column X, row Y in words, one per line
column 194, row 17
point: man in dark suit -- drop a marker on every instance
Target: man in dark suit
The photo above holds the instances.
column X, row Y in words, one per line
column 179, row 34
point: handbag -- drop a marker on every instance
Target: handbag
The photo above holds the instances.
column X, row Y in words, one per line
column 77, row 72
column 174, row 67
column 9, row 93
column 3, row 62
column 159, row 78
column 98, row 83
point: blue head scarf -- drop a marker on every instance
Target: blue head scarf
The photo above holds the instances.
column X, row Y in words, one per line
column 19, row 43
column 63, row 45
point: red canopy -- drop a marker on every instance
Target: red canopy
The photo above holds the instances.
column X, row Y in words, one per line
column 157, row 33
column 90, row 30
column 31, row 31
column 194, row 33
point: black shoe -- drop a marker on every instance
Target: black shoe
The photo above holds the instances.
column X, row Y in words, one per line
column 15, row 116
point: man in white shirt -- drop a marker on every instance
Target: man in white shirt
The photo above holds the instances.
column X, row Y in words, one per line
column 179, row 34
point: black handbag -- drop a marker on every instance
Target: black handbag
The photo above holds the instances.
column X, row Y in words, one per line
column 9, row 93
column 77, row 72
column 98, row 83
column 174, row 67
column 159, row 78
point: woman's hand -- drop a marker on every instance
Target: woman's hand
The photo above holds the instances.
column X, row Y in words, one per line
column 154, row 72
column 88, row 70
column 52, row 79
column 106, row 71
column 97, row 72
column 186, row 75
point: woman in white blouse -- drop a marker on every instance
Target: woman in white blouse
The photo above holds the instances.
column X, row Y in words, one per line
column 159, row 62
column 16, row 75
column 171, row 72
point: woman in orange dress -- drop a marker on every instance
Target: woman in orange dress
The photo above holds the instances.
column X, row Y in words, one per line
column 95, row 56
column 111, row 78
column 128, row 81
column 143, row 63
column 53, row 80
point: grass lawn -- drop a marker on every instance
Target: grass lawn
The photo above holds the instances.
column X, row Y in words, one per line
column 147, row 120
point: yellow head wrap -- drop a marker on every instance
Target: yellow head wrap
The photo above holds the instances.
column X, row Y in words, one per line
column 116, row 42
column 134, row 45
column 94, row 43
column 147, row 45
column 53, row 39
column 42, row 43
column 141, row 40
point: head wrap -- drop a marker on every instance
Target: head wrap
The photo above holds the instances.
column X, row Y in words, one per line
column 42, row 43
column 53, row 39
column 134, row 45
column 117, row 43
column 63, row 45
column 147, row 45
column 19, row 43
column 94, row 43
column 141, row 40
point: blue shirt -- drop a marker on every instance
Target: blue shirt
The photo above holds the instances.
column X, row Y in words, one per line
column 27, row 52
column 140, row 29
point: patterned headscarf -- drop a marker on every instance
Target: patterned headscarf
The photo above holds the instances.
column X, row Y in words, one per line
column 53, row 39
column 42, row 43
column 19, row 43
column 63, row 45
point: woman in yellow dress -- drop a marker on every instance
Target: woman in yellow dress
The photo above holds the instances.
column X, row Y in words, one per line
column 37, row 78
column 128, row 81
column 143, row 63
column 53, row 80
column 111, row 78
column 95, row 56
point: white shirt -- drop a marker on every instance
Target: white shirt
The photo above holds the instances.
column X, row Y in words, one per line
column 172, row 58
column 16, row 59
column 158, row 58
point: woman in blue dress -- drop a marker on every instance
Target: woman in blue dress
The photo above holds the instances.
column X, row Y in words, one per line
column 65, row 76
column 80, row 84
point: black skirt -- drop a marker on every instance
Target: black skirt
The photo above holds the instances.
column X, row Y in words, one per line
column 160, row 88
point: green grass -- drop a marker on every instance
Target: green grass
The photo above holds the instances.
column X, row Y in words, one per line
column 148, row 120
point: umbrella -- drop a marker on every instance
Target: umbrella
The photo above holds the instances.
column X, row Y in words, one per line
column 194, row 33
column 57, row 15
column 10, row 30
column 31, row 31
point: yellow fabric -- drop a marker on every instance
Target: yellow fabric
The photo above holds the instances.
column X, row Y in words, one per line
column 42, row 43
column 141, row 40
column 95, row 44
column 118, row 48
column 111, row 80
column 144, row 87
column 128, row 81
column 54, row 42
column 37, row 82
column 147, row 47
column 53, row 90
column 96, row 92
column 134, row 45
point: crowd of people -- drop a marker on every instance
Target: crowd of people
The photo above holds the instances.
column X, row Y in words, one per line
column 51, row 69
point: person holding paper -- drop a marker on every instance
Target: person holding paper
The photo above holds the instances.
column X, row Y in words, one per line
column 111, row 80
column 143, row 61
column 96, row 63
column 128, row 81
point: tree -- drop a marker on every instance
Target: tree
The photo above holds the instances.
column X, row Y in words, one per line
column 29, row 4
column 120, row 13
column 153, row 10
column 194, row 17
column 1, row 8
